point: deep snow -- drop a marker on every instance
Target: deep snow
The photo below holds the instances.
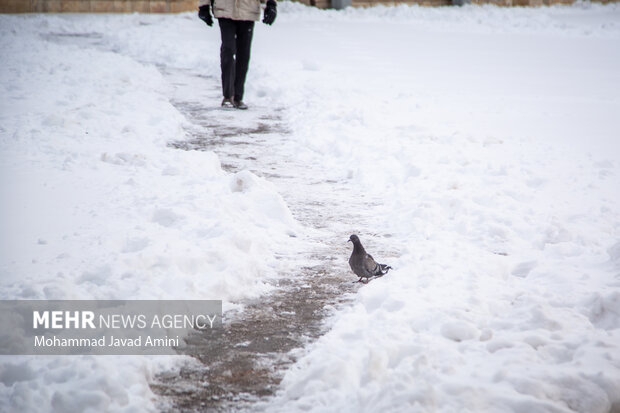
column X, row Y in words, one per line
column 491, row 135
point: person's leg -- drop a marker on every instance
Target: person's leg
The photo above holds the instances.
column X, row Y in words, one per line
column 227, row 56
column 245, row 30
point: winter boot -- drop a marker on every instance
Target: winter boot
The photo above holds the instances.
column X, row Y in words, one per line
column 240, row 105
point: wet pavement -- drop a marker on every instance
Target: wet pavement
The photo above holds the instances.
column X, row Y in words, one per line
column 245, row 361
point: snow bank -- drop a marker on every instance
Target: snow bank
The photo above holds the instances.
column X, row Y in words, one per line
column 96, row 206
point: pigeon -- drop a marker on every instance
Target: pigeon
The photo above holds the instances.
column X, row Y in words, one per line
column 362, row 263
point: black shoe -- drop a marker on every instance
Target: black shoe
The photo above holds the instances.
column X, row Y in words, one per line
column 227, row 103
column 240, row 105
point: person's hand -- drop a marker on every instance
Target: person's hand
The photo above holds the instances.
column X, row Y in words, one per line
column 270, row 12
column 204, row 12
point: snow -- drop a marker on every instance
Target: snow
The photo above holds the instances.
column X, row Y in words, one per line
column 490, row 135
column 93, row 196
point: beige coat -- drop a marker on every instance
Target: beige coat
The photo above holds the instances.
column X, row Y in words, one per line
column 235, row 9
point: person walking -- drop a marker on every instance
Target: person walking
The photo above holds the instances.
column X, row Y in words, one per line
column 236, row 20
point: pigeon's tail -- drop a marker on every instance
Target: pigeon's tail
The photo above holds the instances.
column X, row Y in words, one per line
column 382, row 269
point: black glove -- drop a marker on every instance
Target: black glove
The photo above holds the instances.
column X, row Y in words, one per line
column 270, row 12
column 204, row 12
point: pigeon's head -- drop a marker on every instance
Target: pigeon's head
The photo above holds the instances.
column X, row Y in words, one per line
column 354, row 239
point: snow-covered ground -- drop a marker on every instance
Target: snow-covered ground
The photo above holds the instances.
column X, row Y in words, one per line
column 96, row 206
column 492, row 135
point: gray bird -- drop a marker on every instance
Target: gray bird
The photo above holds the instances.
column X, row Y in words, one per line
column 362, row 263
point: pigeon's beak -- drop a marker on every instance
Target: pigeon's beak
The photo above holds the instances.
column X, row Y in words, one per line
column 349, row 240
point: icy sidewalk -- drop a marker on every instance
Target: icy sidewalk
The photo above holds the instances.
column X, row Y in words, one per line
column 246, row 361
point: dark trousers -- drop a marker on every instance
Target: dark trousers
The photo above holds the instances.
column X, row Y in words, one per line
column 235, row 55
